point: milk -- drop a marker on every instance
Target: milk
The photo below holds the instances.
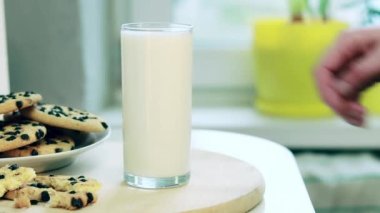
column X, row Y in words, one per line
column 156, row 78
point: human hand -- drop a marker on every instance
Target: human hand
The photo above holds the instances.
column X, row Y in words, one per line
column 349, row 67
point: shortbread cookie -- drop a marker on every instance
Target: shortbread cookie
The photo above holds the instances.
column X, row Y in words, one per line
column 32, row 194
column 59, row 191
column 13, row 177
column 48, row 145
column 65, row 117
column 20, row 133
column 69, row 183
column 19, row 100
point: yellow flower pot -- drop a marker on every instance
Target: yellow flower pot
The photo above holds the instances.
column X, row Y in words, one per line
column 371, row 100
column 285, row 56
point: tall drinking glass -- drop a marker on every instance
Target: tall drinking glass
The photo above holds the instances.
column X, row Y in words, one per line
column 156, row 78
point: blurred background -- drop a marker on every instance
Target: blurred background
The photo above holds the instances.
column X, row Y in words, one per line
column 253, row 64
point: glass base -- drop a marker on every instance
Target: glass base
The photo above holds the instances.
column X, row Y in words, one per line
column 156, row 183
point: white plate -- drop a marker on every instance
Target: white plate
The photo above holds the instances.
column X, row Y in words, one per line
column 43, row 163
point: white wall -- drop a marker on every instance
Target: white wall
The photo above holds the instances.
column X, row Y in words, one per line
column 94, row 15
column 4, row 81
column 59, row 49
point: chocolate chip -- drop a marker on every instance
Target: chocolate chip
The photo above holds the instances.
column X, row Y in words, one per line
column 3, row 98
column 40, row 134
column 57, row 150
column 73, row 183
column 81, row 176
column 2, row 177
column 33, row 185
column 19, row 104
column 72, row 179
column 65, row 141
column 83, row 180
column 76, row 203
column 45, row 197
column 90, row 197
column 72, row 192
column 12, row 133
column 13, row 167
column 34, row 152
column 51, row 175
column 34, row 202
column 25, row 137
column 41, row 186
column 10, row 138
column 105, row 126
column 50, row 141
column 78, row 119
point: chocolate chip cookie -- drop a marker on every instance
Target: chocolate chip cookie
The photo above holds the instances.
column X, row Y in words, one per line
column 57, row 191
column 18, row 100
column 65, row 117
column 48, row 145
column 20, row 133
column 13, row 177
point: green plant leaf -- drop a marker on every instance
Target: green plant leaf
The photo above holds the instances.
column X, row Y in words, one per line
column 323, row 7
column 297, row 7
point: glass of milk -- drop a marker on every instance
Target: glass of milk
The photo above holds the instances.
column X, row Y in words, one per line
column 156, row 79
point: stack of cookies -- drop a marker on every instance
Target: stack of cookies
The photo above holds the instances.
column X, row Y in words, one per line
column 22, row 185
column 29, row 128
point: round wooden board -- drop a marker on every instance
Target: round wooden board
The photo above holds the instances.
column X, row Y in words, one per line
column 218, row 184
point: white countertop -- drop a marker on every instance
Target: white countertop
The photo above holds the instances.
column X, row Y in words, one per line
column 323, row 133
column 285, row 190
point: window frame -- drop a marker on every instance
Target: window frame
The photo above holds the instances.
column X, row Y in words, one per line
column 228, row 78
column 4, row 79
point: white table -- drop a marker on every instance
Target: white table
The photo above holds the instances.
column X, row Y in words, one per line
column 285, row 190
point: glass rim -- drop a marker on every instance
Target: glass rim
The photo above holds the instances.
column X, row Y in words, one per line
column 156, row 27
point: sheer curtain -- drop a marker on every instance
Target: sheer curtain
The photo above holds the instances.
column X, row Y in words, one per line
column 4, row 82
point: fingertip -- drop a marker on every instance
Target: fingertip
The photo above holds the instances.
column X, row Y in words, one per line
column 343, row 88
column 355, row 121
column 355, row 115
column 357, row 107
